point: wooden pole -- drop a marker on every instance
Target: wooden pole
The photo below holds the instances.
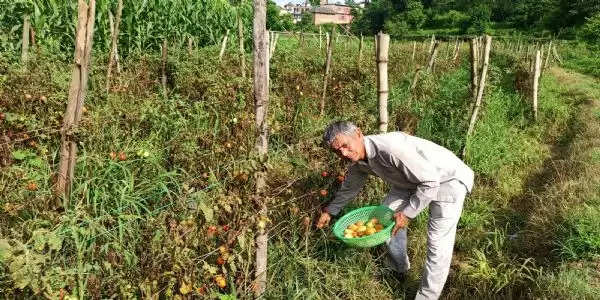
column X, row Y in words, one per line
column 190, row 45
column 163, row 79
column 25, row 39
column 536, row 80
column 431, row 44
column 32, row 37
column 555, row 53
column 416, row 78
column 114, row 34
column 414, row 51
column 261, row 104
column 548, row 55
column 360, row 50
column 223, row 45
column 456, row 51
column 382, row 79
column 241, row 43
column 330, row 45
column 375, row 43
column 273, row 44
column 320, row 38
column 432, row 56
column 486, row 59
column 474, row 68
column 77, row 93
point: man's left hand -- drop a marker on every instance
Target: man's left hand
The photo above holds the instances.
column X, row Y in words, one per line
column 401, row 222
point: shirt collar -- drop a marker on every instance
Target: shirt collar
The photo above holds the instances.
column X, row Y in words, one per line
column 369, row 148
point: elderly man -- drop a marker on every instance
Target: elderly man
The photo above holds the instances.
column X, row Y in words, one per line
column 420, row 174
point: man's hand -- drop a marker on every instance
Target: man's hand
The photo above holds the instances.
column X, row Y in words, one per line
column 323, row 220
column 401, row 222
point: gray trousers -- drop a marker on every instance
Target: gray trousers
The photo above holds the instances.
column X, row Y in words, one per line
column 441, row 231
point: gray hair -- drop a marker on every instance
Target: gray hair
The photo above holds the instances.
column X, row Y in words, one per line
column 335, row 128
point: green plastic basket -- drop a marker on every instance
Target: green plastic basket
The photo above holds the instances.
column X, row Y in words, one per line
column 383, row 213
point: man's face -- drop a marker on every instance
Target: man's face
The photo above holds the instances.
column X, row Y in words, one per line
column 350, row 147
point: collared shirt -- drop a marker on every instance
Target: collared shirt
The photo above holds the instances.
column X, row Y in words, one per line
column 406, row 163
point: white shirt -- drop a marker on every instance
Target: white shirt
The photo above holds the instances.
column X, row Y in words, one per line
column 407, row 163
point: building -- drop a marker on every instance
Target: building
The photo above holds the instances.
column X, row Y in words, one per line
column 296, row 10
column 327, row 13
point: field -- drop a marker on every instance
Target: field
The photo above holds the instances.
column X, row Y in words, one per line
column 163, row 198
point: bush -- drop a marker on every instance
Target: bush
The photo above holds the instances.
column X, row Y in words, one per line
column 412, row 18
column 479, row 22
column 590, row 32
column 451, row 19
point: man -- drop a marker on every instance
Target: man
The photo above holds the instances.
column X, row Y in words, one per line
column 420, row 173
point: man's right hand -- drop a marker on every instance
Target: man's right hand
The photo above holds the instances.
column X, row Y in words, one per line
column 323, row 220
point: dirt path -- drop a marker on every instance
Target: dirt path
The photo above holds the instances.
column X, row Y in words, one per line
column 570, row 176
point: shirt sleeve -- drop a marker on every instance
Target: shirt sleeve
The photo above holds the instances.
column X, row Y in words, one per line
column 420, row 172
column 355, row 180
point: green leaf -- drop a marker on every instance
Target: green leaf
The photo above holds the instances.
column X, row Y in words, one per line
column 36, row 162
column 54, row 241
column 5, row 251
column 22, row 154
column 39, row 238
column 201, row 199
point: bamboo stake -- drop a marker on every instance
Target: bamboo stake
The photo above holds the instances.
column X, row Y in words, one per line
column 416, row 78
column 456, row 51
column 163, row 79
column 360, row 50
column 486, row 58
column 241, row 42
column 25, row 39
column 556, row 55
column 77, row 93
column 474, row 68
column 114, row 34
column 261, row 104
column 330, row 45
column 382, row 79
column 536, row 80
column 320, row 38
column 548, row 55
column 273, row 44
column 431, row 44
column 32, row 37
column 432, row 57
column 223, row 45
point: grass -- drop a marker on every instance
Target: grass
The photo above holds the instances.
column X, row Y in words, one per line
column 141, row 226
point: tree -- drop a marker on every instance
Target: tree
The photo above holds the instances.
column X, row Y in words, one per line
column 590, row 31
column 479, row 21
column 306, row 23
column 412, row 17
column 276, row 20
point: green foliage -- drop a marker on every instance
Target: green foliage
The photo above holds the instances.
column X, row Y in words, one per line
column 144, row 23
column 479, row 21
column 579, row 234
column 411, row 18
column 590, row 31
column 450, row 19
column 306, row 24
column 277, row 21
